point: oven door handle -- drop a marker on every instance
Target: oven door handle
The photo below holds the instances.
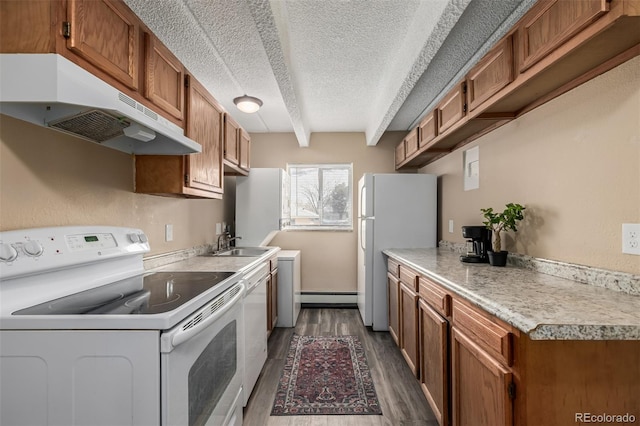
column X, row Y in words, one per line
column 185, row 330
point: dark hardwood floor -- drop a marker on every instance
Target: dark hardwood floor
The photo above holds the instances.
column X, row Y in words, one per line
column 401, row 398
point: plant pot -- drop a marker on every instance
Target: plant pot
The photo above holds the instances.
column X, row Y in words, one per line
column 498, row 258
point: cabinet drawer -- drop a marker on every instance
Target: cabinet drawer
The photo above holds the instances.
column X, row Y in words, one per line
column 393, row 268
column 492, row 337
column 409, row 277
column 551, row 23
column 435, row 296
column 428, row 129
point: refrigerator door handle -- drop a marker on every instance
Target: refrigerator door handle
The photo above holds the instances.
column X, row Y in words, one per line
column 362, row 206
column 361, row 232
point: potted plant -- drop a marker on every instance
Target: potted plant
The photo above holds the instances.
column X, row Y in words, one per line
column 498, row 222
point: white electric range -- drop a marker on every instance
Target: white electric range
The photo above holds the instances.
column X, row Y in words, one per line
column 87, row 337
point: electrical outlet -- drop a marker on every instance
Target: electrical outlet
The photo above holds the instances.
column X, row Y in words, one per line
column 218, row 228
column 450, row 226
column 631, row 238
column 168, row 232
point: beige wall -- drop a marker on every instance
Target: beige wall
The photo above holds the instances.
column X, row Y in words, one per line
column 328, row 258
column 49, row 179
column 575, row 164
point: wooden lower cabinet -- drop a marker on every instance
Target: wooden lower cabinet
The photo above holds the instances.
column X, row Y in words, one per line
column 480, row 385
column 272, row 301
column 393, row 289
column 474, row 369
column 434, row 360
column 409, row 327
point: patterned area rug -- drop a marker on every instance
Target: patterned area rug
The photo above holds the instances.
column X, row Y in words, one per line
column 325, row 375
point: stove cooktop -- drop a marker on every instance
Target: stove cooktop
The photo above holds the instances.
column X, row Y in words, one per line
column 153, row 293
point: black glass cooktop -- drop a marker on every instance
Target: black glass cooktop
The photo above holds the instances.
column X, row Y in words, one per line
column 143, row 294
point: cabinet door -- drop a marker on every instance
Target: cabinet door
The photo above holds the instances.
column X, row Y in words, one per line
column 393, row 289
column 452, row 108
column 400, row 153
column 551, row 23
column 491, row 74
column 411, row 142
column 204, row 125
column 434, row 358
column 106, row 34
column 231, row 146
column 272, row 301
column 409, row 327
column 480, row 386
column 245, row 149
column 428, row 129
column 164, row 77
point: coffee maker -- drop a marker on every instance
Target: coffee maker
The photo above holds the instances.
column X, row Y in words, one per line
column 480, row 238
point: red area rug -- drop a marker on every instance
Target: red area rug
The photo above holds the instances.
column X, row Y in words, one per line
column 325, row 375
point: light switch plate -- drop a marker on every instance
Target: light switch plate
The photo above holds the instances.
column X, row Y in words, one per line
column 631, row 238
column 168, row 232
column 218, row 228
column 450, row 226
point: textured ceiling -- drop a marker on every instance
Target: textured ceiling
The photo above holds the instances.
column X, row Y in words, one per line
column 329, row 65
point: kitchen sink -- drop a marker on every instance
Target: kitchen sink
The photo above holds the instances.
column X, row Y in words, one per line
column 243, row 252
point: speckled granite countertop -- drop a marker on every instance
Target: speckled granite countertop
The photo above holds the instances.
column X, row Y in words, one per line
column 217, row 263
column 543, row 306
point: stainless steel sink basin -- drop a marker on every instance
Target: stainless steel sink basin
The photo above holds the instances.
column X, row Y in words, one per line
column 243, row 252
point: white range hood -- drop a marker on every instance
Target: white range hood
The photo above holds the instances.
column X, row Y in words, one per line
column 51, row 91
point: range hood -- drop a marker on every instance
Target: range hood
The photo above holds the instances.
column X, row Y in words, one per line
column 51, row 91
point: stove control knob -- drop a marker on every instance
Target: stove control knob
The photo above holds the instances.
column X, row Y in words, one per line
column 134, row 238
column 7, row 252
column 33, row 248
column 143, row 238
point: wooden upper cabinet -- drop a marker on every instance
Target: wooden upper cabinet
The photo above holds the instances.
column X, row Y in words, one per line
column 552, row 22
column 245, row 149
column 195, row 175
column 205, row 118
column 492, row 73
column 237, row 148
column 428, row 129
column 164, row 77
column 411, row 142
column 401, row 153
column 25, row 26
column 231, row 146
column 106, row 34
column 452, row 108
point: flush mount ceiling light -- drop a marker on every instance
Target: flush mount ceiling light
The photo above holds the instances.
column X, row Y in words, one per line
column 247, row 104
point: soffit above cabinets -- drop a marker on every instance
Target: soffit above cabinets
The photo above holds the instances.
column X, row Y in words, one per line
column 328, row 65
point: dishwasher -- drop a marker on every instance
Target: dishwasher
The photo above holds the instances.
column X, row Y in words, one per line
column 255, row 326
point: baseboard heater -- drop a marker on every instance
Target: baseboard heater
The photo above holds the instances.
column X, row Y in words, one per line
column 321, row 299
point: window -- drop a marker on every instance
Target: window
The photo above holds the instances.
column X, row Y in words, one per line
column 321, row 196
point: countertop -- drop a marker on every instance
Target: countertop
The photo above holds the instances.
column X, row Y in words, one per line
column 210, row 263
column 543, row 306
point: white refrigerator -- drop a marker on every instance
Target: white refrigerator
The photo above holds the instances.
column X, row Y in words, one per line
column 394, row 211
column 262, row 205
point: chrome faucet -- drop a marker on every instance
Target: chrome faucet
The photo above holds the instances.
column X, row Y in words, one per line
column 225, row 236
column 232, row 239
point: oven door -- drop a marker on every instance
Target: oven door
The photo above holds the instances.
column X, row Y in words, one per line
column 202, row 365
